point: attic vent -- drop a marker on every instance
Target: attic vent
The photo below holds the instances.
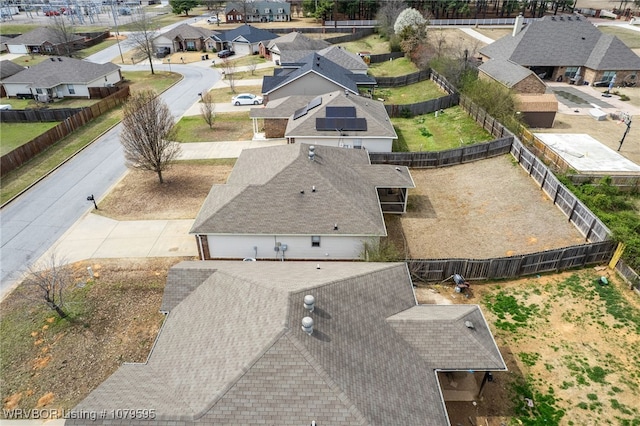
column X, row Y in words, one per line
column 312, row 153
column 59, row 59
column 562, row 18
column 553, row 18
column 309, row 302
column 569, row 18
column 53, row 59
column 307, row 325
column 467, row 324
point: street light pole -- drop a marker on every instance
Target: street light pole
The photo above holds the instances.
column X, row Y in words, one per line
column 115, row 21
column 169, row 62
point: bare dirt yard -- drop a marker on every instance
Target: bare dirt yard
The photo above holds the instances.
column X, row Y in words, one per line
column 113, row 318
column 571, row 345
column 488, row 208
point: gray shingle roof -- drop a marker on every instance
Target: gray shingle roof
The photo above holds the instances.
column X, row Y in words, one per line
column 378, row 123
column 233, row 352
column 262, row 194
column 561, row 41
column 282, row 107
column 40, row 35
column 344, row 58
column 188, row 32
column 505, row 71
column 295, row 41
column 246, row 32
column 8, row 68
column 319, row 65
column 62, row 70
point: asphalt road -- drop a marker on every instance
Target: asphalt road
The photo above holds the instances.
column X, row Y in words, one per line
column 34, row 221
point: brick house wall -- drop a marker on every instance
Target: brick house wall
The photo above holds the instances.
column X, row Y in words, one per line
column 275, row 127
column 531, row 84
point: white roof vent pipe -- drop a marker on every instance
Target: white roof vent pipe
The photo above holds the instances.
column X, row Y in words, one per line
column 309, row 302
column 312, row 152
column 517, row 25
column 307, row 325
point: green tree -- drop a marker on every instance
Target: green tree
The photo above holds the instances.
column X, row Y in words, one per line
column 180, row 6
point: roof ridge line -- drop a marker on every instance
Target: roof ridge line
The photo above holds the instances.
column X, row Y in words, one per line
column 342, row 396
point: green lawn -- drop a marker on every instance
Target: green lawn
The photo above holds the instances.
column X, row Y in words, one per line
column 242, row 61
column 257, row 74
column 8, row 28
column 452, row 129
column 15, row 134
column 28, row 61
column 373, row 44
column 167, row 18
column 81, row 54
column 234, row 126
column 410, row 94
column 628, row 37
column 395, row 68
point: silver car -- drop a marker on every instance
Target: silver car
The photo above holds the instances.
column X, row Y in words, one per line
column 246, row 99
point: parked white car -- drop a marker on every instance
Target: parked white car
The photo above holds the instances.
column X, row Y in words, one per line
column 213, row 20
column 246, row 99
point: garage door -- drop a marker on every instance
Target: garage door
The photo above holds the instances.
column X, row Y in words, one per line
column 242, row 48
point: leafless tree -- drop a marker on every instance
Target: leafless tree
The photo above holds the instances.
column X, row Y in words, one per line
column 52, row 278
column 142, row 36
column 207, row 109
column 387, row 16
column 229, row 72
column 64, row 34
column 147, row 130
column 253, row 64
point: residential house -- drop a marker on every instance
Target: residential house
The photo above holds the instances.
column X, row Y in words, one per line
column 258, row 11
column 567, row 48
column 186, row 38
column 313, row 75
column 45, row 40
column 7, row 69
column 333, row 119
column 3, row 43
column 300, row 202
column 300, row 343
column 61, row 77
column 515, row 77
column 336, row 54
column 293, row 41
column 244, row 40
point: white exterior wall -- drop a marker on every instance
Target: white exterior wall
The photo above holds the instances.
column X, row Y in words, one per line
column 17, row 48
column 13, row 89
column 163, row 42
column 370, row 144
column 298, row 247
column 242, row 48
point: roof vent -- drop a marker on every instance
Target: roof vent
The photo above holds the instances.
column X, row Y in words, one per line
column 309, row 302
column 335, row 226
column 313, row 188
column 553, row 18
column 467, row 324
column 59, row 59
column 312, row 152
column 307, row 325
column 53, row 59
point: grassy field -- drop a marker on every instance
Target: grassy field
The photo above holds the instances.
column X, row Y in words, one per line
column 235, row 126
column 452, row 129
column 395, row 68
column 373, row 44
column 628, row 37
column 18, row 180
column 410, row 94
column 15, row 134
column 241, row 61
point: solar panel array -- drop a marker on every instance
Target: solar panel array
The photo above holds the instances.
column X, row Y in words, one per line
column 315, row 102
column 341, row 112
column 341, row 123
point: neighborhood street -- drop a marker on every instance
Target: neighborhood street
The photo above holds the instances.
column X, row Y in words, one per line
column 36, row 219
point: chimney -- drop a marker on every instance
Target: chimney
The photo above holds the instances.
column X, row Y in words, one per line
column 517, row 25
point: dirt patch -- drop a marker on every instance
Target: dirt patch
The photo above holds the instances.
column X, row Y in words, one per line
column 488, row 208
column 113, row 319
column 578, row 343
column 139, row 195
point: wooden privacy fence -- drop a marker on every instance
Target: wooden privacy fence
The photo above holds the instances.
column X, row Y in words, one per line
column 481, row 117
column 582, row 218
column 37, row 115
column 512, row 266
column 403, row 80
column 26, row 152
column 426, row 107
column 384, row 57
column 429, row 159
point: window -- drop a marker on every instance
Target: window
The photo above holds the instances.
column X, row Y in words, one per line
column 357, row 144
column 71, row 89
column 39, row 91
column 315, row 241
column 267, row 10
column 191, row 45
column 571, row 72
column 608, row 75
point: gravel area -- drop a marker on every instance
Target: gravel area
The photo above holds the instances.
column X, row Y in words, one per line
column 488, row 208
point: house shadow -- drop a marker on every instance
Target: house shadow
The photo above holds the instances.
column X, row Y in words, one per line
column 420, row 206
column 492, row 404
